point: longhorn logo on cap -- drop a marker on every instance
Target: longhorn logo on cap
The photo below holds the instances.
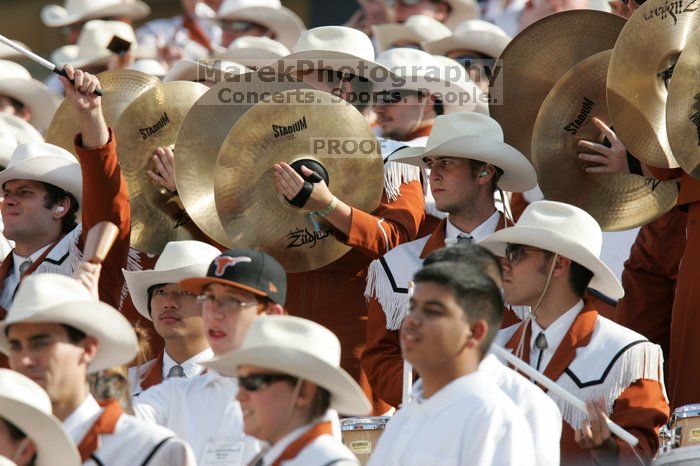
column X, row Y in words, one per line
column 223, row 262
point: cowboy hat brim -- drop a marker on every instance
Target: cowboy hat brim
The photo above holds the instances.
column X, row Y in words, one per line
column 116, row 337
column 34, row 95
column 139, row 282
column 518, row 175
column 462, row 10
column 331, row 60
column 49, row 169
column 387, row 35
column 346, row 396
column 54, row 446
column 68, row 55
column 457, row 95
column 604, row 280
column 57, row 16
column 485, row 42
column 286, row 25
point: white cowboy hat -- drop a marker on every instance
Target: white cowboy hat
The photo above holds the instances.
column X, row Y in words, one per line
column 417, row 29
column 26, row 405
column 8, row 143
column 91, row 49
column 253, row 51
column 41, row 161
column 286, row 25
column 461, row 10
column 475, row 35
column 179, row 260
column 79, row 10
column 459, row 73
column 420, row 71
column 473, row 136
column 17, row 83
column 217, row 70
column 298, row 347
column 563, row 229
column 149, row 66
column 13, row 132
column 7, row 52
column 52, row 298
column 334, row 48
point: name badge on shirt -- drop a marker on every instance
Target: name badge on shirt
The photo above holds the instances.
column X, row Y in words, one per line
column 222, row 453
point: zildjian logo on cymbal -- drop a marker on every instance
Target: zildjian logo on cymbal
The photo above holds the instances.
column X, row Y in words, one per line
column 586, row 107
column 151, row 130
column 280, row 130
column 299, row 237
column 671, row 9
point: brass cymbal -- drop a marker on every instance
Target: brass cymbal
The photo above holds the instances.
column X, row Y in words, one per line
column 152, row 120
column 120, row 87
column 642, row 60
column 617, row 201
column 201, row 135
column 683, row 108
column 252, row 212
column 537, row 57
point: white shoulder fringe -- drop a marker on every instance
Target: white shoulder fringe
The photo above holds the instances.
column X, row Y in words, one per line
column 394, row 305
column 396, row 174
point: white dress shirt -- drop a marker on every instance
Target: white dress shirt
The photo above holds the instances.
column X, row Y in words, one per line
column 470, row 422
column 192, row 368
column 203, row 411
column 132, row 442
column 12, row 279
column 322, row 451
column 479, row 233
column 554, row 334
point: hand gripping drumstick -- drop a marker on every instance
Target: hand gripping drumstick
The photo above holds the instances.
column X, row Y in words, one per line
column 99, row 241
column 407, row 366
column 45, row 63
column 556, row 389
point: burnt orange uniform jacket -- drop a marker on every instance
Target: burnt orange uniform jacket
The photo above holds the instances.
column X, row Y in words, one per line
column 333, row 296
column 381, row 359
column 683, row 363
column 640, row 409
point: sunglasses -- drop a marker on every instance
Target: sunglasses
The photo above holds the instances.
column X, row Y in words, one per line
column 257, row 382
column 516, row 252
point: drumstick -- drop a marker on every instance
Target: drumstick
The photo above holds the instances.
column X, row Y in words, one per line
column 552, row 386
column 407, row 366
column 45, row 63
column 99, row 241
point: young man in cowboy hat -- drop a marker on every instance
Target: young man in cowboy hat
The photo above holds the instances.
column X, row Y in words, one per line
column 175, row 313
column 468, row 160
column 340, row 60
column 25, row 97
column 56, row 334
column 449, row 12
column 44, row 187
column 459, row 415
column 551, row 257
column 29, row 434
column 240, row 286
column 289, row 374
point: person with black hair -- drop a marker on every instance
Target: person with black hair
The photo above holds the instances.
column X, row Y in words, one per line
column 46, row 187
column 458, row 415
column 552, row 255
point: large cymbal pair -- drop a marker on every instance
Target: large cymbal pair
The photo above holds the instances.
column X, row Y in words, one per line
column 641, row 65
column 617, row 201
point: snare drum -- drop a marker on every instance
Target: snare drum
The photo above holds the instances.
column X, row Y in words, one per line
column 686, row 456
column 361, row 434
column 685, row 426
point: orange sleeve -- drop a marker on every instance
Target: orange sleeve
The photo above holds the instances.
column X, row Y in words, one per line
column 391, row 224
column 665, row 174
column 105, row 198
column 381, row 360
column 641, row 409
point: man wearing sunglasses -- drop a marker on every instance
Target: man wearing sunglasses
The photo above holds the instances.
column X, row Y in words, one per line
column 240, row 286
column 552, row 255
column 469, row 161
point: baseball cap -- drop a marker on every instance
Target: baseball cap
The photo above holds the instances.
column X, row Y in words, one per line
column 247, row 269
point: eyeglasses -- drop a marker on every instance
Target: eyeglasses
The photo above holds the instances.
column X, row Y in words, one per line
column 516, row 252
column 227, row 303
column 257, row 382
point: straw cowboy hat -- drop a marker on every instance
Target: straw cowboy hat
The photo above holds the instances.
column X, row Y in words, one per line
column 41, row 161
column 461, row 10
column 286, row 25
column 13, row 132
column 420, row 71
column 8, row 143
column 51, row 298
column 475, row 35
column 417, row 29
column 7, row 52
column 26, row 405
column 563, row 229
column 80, row 10
column 149, row 66
column 460, row 74
column 261, row 49
column 298, row 347
column 91, row 49
column 17, row 83
column 189, row 70
column 335, row 47
column 179, row 260
column 478, row 137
